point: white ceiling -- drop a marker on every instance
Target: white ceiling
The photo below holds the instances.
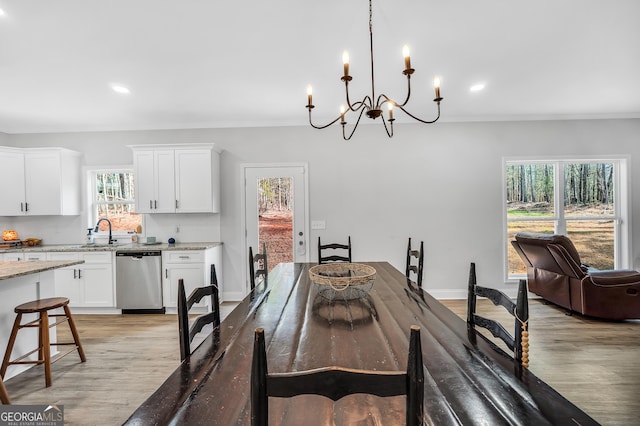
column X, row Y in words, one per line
column 205, row 63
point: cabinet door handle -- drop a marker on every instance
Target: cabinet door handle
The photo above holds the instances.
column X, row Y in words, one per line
column 184, row 257
column 176, row 204
column 166, row 273
column 26, row 207
column 150, row 204
column 21, row 207
column 155, row 204
column 74, row 274
column 79, row 270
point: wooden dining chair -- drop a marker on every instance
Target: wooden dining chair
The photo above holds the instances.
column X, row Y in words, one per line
column 188, row 332
column 336, row 383
column 519, row 342
column 260, row 260
column 334, row 257
column 416, row 269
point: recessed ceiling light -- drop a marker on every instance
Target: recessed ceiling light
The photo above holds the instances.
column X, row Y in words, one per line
column 120, row 89
column 477, row 87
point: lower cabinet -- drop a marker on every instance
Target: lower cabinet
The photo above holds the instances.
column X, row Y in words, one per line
column 23, row 255
column 89, row 284
column 194, row 267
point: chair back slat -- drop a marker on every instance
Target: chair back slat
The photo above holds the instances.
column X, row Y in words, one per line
column 519, row 310
column 334, row 257
column 335, row 382
column 259, row 259
column 188, row 331
column 416, row 269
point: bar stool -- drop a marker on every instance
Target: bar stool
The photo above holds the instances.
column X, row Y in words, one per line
column 42, row 307
column 4, row 395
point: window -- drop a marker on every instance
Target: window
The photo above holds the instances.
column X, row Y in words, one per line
column 113, row 198
column 583, row 199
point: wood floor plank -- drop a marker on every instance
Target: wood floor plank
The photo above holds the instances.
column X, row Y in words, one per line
column 592, row 363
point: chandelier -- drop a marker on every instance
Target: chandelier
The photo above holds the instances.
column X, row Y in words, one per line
column 367, row 103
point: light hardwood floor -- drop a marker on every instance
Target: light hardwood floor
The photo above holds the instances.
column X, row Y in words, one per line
column 592, row 363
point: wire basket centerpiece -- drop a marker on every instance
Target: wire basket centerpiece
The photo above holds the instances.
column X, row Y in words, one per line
column 342, row 281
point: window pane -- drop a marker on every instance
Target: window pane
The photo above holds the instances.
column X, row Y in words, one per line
column 589, row 190
column 122, row 217
column 515, row 264
column 594, row 241
column 529, row 190
column 114, row 187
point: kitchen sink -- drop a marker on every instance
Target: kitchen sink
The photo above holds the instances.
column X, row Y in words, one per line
column 100, row 245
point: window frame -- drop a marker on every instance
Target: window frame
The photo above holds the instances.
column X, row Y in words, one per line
column 622, row 203
column 92, row 196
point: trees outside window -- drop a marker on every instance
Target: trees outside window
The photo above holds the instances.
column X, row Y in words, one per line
column 582, row 199
column 114, row 198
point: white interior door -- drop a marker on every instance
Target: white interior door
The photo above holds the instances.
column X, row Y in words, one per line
column 257, row 211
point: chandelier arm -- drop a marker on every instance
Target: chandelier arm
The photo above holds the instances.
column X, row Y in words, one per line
column 322, row 127
column 408, row 91
column 386, row 99
column 419, row 119
column 385, row 126
column 354, row 127
column 356, row 106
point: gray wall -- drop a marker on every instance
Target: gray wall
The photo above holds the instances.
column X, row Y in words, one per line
column 440, row 183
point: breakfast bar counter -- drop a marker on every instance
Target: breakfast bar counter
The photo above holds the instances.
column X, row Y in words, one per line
column 12, row 269
column 468, row 380
column 20, row 282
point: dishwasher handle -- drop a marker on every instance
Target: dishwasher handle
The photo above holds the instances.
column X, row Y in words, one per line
column 137, row 254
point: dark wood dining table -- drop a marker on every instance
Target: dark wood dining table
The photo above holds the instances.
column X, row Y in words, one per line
column 468, row 379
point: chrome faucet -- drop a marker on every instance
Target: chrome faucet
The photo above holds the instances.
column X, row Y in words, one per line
column 109, row 222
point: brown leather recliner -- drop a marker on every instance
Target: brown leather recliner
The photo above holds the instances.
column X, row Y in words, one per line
column 555, row 273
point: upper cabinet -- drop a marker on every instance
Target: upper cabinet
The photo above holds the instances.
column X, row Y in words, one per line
column 177, row 178
column 39, row 181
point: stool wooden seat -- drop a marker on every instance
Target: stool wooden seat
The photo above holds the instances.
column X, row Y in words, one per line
column 42, row 308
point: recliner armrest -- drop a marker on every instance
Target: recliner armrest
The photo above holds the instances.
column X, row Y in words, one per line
column 615, row 277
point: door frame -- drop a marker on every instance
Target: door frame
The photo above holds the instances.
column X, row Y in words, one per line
column 243, row 211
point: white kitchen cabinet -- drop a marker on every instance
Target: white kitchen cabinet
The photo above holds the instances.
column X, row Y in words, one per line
column 20, row 255
column 155, row 181
column 87, row 285
column 194, row 267
column 177, row 178
column 44, row 181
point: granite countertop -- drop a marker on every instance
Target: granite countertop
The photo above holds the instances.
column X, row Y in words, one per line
column 12, row 269
column 114, row 247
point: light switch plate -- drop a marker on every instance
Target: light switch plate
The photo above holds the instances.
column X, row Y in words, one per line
column 318, row 224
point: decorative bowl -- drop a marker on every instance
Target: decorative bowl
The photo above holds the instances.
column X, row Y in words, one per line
column 344, row 281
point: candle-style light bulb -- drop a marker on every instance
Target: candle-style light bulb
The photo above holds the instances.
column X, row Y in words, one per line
column 342, row 111
column 309, row 94
column 407, row 58
column 390, row 106
column 436, row 84
column 345, row 62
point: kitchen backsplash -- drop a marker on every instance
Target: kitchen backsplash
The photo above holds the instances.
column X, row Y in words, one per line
column 73, row 229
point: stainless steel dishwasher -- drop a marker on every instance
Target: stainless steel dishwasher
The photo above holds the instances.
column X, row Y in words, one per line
column 139, row 282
